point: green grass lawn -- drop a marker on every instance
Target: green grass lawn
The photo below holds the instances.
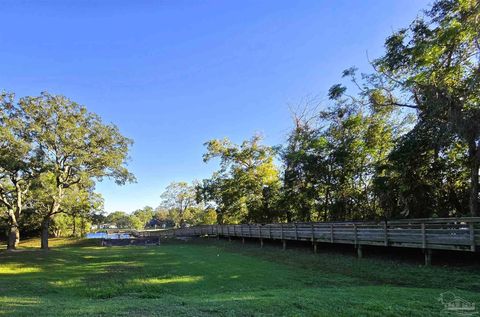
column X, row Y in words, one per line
column 217, row 278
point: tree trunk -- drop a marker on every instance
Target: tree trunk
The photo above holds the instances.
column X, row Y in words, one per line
column 288, row 215
column 74, row 231
column 13, row 237
column 14, row 232
column 82, row 227
column 44, row 237
column 54, row 208
column 327, row 204
column 474, row 156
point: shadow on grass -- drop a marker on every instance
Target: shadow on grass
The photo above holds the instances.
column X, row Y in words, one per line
column 367, row 271
column 54, row 243
column 215, row 277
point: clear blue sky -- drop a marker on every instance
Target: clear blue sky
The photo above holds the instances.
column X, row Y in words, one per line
column 174, row 74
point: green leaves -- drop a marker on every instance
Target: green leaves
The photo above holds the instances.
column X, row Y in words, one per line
column 179, row 199
column 437, row 63
column 53, row 150
column 73, row 141
column 238, row 189
column 336, row 91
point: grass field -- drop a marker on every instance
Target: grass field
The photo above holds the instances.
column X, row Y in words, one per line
column 217, row 278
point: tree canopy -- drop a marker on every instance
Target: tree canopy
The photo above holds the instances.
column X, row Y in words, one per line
column 53, row 147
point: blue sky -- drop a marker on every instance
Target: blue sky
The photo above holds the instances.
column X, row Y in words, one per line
column 174, row 74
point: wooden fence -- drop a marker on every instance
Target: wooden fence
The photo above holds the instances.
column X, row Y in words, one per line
column 461, row 234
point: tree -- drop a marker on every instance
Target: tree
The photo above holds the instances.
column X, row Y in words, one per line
column 122, row 220
column 331, row 156
column 74, row 146
column 179, row 199
column 144, row 215
column 135, row 222
column 303, row 160
column 162, row 218
column 419, row 180
column 208, row 217
column 246, row 179
column 98, row 218
column 80, row 203
column 17, row 164
column 435, row 63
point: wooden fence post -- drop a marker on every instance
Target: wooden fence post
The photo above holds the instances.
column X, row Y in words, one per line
column 424, row 236
column 385, row 233
column 331, row 233
column 471, row 228
column 313, row 233
column 355, row 233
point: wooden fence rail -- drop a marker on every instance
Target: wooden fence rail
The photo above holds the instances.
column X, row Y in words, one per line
column 461, row 234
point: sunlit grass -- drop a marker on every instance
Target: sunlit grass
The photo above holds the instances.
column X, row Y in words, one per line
column 176, row 279
column 16, row 270
column 58, row 242
column 80, row 278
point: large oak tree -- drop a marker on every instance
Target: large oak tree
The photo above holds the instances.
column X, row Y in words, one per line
column 74, row 146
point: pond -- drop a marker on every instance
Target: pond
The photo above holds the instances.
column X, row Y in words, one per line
column 104, row 235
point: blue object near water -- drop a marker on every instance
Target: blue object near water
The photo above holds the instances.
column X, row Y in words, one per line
column 104, row 235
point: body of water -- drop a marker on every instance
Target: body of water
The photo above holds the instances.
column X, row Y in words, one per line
column 104, row 235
